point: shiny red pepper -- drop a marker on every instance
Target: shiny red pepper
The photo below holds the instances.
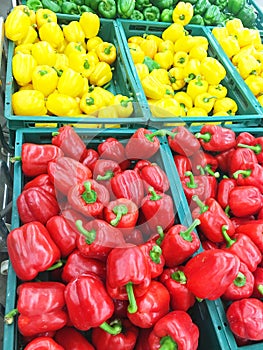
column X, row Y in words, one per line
column 245, row 200
column 175, row 281
column 250, row 174
column 240, row 157
column 142, row 340
column 258, row 283
column 90, row 159
column 224, row 187
column 224, row 160
column 42, row 181
column 153, row 254
column 152, row 305
column 247, row 328
column 254, row 231
column 31, row 250
column 113, row 149
column 153, row 175
column 134, row 237
column 246, row 138
column 204, row 160
column 70, row 339
column 104, row 170
column 182, row 163
column 215, row 138
column 43, row 343
column 257, row 148
column 182, row 141
column 174, row 330
column 69, row 142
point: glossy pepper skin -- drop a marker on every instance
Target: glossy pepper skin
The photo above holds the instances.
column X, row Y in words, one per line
column 239, row 157
column 242, row 326
column 175, row 329
column 125, row 8
column 31, row 250
column 245, row 200
column 70, row 339
column 204, row 160
column 90, row 158
column 104, row 170
column 201, row 279
column 183, row 164
column 152, row 305
column 153, row 175
column 250, row 174
column 113, row 149
column 43, row 342
column 183, row 141
column 258, row 283
column 254, row 231
column 224, row 187
column 42, row 181
column 154, row 256
column 215, row 138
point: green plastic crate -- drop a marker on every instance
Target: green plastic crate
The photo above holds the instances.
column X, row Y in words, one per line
column 211, row 333
column 259, row 11
column 249, row 113
column 122, row 83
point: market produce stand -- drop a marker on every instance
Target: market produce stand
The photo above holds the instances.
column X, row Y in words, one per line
column 133, row 165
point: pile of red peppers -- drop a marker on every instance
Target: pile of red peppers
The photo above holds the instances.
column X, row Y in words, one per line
column 101, row 258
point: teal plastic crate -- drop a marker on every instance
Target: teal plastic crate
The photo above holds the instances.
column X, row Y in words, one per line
column 122, row 82
column 249, row 112
column 211, row 333
column 259, row 12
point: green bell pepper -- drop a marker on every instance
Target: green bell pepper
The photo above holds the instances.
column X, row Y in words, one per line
column 191, row 1
column 141, row 4
column 198, row 20
column 69, row 8
column 150, row 63
column 78, row 2
column 85, row 8
column 125, row 8
column 212, row 16
column 152, row 14
column 34, row 5
column 107, row 9
column 248, row 16
column 137, row 16
column 51, row 5
column 93, row 4
column 162, row 4
column 166, row 15
column 234, row 6
column 201, row 6
column 221, row 4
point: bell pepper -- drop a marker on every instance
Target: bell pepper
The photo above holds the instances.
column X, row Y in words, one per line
column 69, row 338
column 81, row 63
column 242, row 326
column 205, row 101
column 44, row 79
column 68, row 79
column 90, row 23
column 137, row 15
column 175, row 281
column 255, row 83
column 128, row 184
column 245, row 200
column 101, row 75
column 254, row 231
column 250, row 174
column 17, row 24
column 63, row 105
column 52, row 33
column 166, row 107
column 128, row 275
column 182, row 13
column 197, row 19
column 45, row 15
column 43, row 342
column 31, row 250
column 153, row 88
column 163, row 4
column 106, row 52
column 23, row 65
column 153, row 175
column 152, row 306
column 166, row 15
column 173, row 32
column 239, row 157
column 216, row 138
column 29, row 209
column 66, row 172
column 53, row 6
column 234, row 6
column 136, row 52
column 154, row 256
column 248, row 16
column 44, row 53
column 242, row 286
column 257, row 148
column 141, row 4
column 174, row 330
column 258, row 283
column 212, row 70
column 208, row 212
column 91, row 102
column 114, row 150
column 34, row 4
column 182, row 141
column 151, row 64
column 201, row 6
column 201, row 279
column 69, row 8
column 180, row 59
column 142, row 70
column 134, row 237
column 247, row 65
column 151, row 14
column 29, row 102
column 104, row 170
column 205, row 161
column 125, row 8
column 219, row 91
column 122, row 105
column 41, row 181
column 107, row 9
column 212, row 15
column 224, row 188
column 183, row 164
column 191, row 69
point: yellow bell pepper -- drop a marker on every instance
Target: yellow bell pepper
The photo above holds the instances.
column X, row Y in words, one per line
column 162, row 75
column 17, row 24
column 106, row 95
column 123, row 105
column 226, row 104
column 221, row 114
column 44, row 79
column 256, row 39
column 136, row 39
column 220, row 91
column 156, row 38
column 70, row 83
column 220, row 33
column 86, row 87
column 176, row 77
column 44, row 53
column 184, row 43
column 142, row 70
column 212, row 70
column 33, row 18
column 173, row 32
column 62, row 105
column 109, row 112
column 26, row 87
column 74, row 47
column 153, row 88
column 248, row 64
column 244, row 51
column 198, row 52
column 165, row 59
column 245, row 37
column 230, row 45
column 196, row 87
column 166, row 45
column 167, row 108
column 180, row 59
column 196, row 112
column 255, row 83
column 106, row 52
column 191, row 69
column 93, row 43
column 91, row 103
column 52, row 33
column 81, row 64
column 234, row 26
column 62, row 62
column 200, row 41
column 81, row 118
column 101, row 74
column 183, row 13
column 149, row 47
column 44, row 16
column 259, row 57
column 29, row 102
column 92, row 57
column 74, row 32
column 184, row 100
column 62, row 46
column 23, row 65
column 205, row 101
column 24, row 48
column 90, row 23
column 136, row 52
column 169, row 92
column 30, row 38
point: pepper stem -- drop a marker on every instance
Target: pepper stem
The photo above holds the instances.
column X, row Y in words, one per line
column 257, row 148
column 89, row 235
column 244, row 173
column 15, row 159
column 55, row 266
column 201, row 169
column 191, row 183
column 155, row 133
column 113, row 328
column 55, row 133
column 119, row 211
column 154, row 195
column 167, row 343
column 260, row 288
column 9, row 318
column 227, row 210
column 132, row 307
column 161, row 235
column 229, row 241
column 201, row 205
column 186, row 235
column 107, row 176
column 240, row 280
column 89, row 195
column 125, row 103
column 155, row 254
column 107, row 50
column 179, row 276
column 211, row 172
column 206, row 137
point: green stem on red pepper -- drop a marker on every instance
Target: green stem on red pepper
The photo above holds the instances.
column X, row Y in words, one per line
column 209, row 171
column 155, row 133
column 186, row 235
column 240, row 280
column 244, row 173
column 201, row 205
column 257, row 148
column 206, row 137
column 154, row 195
column 167, row 343
column 227, row 210
column 132, row 307
column 112, row 328
column 179, row 276
column 161, row 235
column 260, row 288
column 55, row 266
column 89, row 195
column 9, row 317
column 191, row 183
column 89, row 235
column 107, row 176
column 155, row 254
column 229, row 241
column 119, row 211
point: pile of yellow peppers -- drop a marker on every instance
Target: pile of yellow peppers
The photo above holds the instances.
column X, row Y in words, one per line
column 177, row 75
column 62, row 70
column 244, row 48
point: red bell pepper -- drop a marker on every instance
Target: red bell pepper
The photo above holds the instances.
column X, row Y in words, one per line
column 70, row 142
column 89, row 304
column 77, row 264
column 206, row 161
column 142, row 340
column 183, row 241
column 104, row 170
column 212, row 217
column 123, row 341
column 257, row 148
column 250, row 174
column 237, row 221
column 90, row 159
column 242, row 286
column 122, row 213
column 258, row 283
column 245, row 138
column 154, row 256
column 89, row 198
column 152, row 305
column 158, row 209
column 97, row 238
column 43, row 343
column 210, row 272
column 128, row 274
column 215, row 138
column 175, row 330
column 153, row 175
column 240, row 157
column 36, row 204
column 113, row 149
column 245, row 200
column 40, row 306
column 182, row 163
column 245, row 318
column 42, row 181
column 254, row 231
column 175, row 281
column 224, row 160
column 31, row 250
column 143, row 144
column 243, row 247
column 120, row 308
column 35, row 158
column 182, row 141
column 134, row 237
column 128, row 184
column 224, row 187
column 70, row 339
column 66, row 172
